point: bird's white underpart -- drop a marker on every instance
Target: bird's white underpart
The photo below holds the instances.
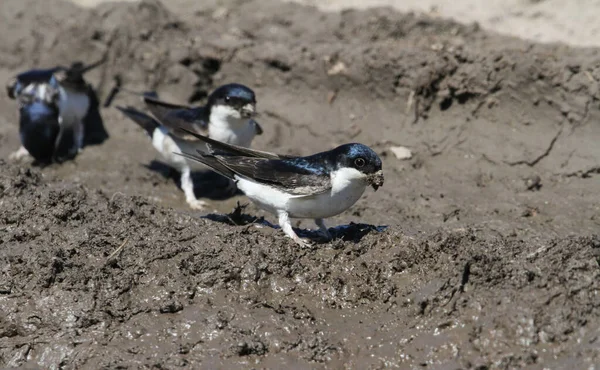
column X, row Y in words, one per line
column 170, row 148
column 227, row 125
column 73, row 107
column 347, row 186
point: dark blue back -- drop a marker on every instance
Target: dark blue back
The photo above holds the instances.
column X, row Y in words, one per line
column 38, row 128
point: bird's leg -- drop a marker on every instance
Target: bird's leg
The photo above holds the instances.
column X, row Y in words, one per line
column 286, row 226
column 18, row 154
column 78, row 133
column 68, row 127
column 188, row 189
column 323, row 230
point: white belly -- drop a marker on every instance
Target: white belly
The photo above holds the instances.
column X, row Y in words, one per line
column 342, row 195
column 324, row 205
column 236, row 133
column 72, row 108
column 170, row 147
column 74, row 105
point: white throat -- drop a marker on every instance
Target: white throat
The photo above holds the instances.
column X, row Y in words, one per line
column 348, row 180
column 226, row 116
column 228, row 125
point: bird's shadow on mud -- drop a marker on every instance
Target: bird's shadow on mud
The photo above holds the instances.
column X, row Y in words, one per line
column 352, row 232
column 209, row 184
column 95, row 132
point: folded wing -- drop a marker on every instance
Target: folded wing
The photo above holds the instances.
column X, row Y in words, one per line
column 174, row 116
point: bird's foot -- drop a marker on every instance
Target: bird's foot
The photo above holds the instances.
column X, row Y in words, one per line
column 323, row 231
column 286, row 226
column 19, row 154
column 304, row 242
column 197, row 204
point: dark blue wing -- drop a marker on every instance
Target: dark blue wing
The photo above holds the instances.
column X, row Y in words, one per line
column 296, row 176
column 177, row 117
column 38, row 128
column 17, row 84
column 221, row 148
column 36, row 76
column 146, row 122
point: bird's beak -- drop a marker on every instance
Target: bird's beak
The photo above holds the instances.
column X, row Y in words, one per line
column 376, row 179
column 248, row 110
column 10, row 87
column 87, row 68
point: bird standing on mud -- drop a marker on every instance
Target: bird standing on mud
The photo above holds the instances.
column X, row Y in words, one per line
column 58, row 112
column 318, row 186
column 226, row 117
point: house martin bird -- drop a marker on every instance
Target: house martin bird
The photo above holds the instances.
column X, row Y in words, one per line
column 227, row 116
column 53, row 106
column 318, row 186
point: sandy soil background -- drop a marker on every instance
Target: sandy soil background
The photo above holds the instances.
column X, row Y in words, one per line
column 570, row 22
column 481, row 251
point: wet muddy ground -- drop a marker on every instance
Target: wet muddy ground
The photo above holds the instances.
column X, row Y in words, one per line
column 481, row 251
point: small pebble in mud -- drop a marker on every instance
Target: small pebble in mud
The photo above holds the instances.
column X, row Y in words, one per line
column 338, row 68
column 533, row 183
column 401, row 152
column 171, row 307
column 331, row 97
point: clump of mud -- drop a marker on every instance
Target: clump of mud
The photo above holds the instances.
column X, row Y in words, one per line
column 481, row 250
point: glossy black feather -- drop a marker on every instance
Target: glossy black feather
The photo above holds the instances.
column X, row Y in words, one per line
column 72, row 77
column 175, row 116
column 212, row 162
column 292, row 176
column 37, row 75
column 220, row 148
column 232, row 94
column 38, row 129
column 146, row 122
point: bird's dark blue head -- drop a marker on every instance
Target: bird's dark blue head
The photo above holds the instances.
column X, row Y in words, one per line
column 70, row 78
column 38, row 128
column 239, row 97
column 363, row 159
column 73, row 77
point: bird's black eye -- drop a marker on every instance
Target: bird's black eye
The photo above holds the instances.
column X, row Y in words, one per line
column 359, row 162
column 228, row 99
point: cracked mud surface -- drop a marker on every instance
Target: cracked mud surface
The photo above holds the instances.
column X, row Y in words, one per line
column 490, row 257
